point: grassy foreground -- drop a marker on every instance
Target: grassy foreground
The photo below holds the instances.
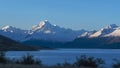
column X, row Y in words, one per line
column 35, row 66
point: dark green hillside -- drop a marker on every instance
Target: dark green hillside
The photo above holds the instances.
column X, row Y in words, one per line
column 7, row 44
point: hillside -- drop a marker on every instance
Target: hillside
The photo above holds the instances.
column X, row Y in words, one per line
column 7, row 44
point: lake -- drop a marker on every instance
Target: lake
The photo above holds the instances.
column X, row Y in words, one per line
column 52, row 57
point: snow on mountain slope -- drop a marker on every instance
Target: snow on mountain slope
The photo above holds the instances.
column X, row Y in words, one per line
column 86, row 34
column 105, row 31
column 115, row 33
column 46, row 31
column 13, row 33
column 45, row 27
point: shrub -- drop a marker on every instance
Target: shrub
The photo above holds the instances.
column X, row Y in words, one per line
column 28, row 60
column 3, row 59
column 84, row 61
column 67, row 65
column 116, row 64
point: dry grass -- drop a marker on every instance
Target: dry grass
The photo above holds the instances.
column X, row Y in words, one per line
column 19, row 66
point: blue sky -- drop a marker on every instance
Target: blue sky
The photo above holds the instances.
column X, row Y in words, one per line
column 74, row 14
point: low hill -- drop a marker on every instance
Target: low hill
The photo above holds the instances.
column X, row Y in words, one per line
column 7, row 44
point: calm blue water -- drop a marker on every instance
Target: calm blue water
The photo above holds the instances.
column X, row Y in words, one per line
column 52, row 57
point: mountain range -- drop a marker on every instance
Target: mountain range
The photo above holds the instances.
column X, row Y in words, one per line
column 46, row 34
column 110, row 31
column 105, row 38
column 42, row 31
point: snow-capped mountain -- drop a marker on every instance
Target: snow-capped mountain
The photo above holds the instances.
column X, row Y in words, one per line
column 13, row 33
column 42, row 31
column 45, row 27
column 86, row 34
column 105, row 38
column 111, row 30
column 115, row 33
column 46, row 31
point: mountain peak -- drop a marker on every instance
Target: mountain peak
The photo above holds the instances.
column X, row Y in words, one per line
column 42, row 24
column 112, row 26
column 105, row 31
column 7, row 27
column 45, row 22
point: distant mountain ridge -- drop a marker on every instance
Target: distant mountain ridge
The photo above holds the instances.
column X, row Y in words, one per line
column 48, row 35
column 111, row 30
column 105, row 38
column 107, row 31
column 46, row 31
column 43, row 31
column 13, row 33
